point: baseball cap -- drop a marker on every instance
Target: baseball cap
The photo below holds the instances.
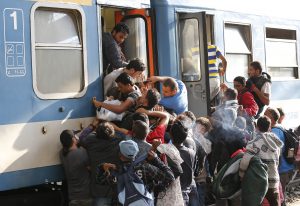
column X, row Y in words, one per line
column 129, row 149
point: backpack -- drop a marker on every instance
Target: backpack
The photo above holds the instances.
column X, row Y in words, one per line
column 251, row 188
column 291, row 145
column 131, row 189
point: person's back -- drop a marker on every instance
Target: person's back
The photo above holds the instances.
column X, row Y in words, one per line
column 75, row 162
column 140, row 131
column 149, row 173
column 135, row 68
column 225, row 140
column 178, row 134
column 174, row 92
column 178, row 102
column 102, row 147
column 78, row 177
column 267, row 146
column 273, row 114
column 188, row 156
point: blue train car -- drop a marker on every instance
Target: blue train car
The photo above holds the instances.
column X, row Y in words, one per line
column 47, row 81
column 51, row 65
column 243, row 32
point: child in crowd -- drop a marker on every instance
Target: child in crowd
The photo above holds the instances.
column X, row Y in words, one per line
column 267, row 146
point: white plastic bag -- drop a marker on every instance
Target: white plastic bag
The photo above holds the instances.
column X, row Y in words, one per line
column 107, row 115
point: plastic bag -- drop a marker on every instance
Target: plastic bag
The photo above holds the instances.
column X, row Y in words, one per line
column 108, row 115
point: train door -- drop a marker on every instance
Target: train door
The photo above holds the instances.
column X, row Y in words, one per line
column 139, row 43
column 193, row 60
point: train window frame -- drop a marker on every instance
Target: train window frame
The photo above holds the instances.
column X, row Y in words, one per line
column 238, row 52
column 282, row 70
column 80, row 24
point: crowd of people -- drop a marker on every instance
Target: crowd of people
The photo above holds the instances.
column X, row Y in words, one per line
column 148, row 149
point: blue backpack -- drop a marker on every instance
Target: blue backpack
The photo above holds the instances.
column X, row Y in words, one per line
column 131, row 189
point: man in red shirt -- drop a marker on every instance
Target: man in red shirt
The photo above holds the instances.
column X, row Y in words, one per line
column 245, row 98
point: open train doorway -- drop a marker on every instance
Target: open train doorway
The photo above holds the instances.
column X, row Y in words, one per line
column 139, row 43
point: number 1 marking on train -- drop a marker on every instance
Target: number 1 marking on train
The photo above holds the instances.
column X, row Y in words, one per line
column 14, row 16
column 14, row 42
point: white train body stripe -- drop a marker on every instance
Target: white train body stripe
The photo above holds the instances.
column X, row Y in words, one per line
column 24, row 146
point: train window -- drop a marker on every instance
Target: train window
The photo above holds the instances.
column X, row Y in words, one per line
column 135, row 46
column 237, row 65
column 237, row 49
column 189, row 50
column 47, row 21
column 279, row 43
column 59, row 69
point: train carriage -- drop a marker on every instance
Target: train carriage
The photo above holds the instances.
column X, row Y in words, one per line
column 51, row 65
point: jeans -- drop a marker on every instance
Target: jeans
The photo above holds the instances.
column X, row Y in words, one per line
column 185, row 196
column 201, row 188
column 102, row 201
column 193, row 196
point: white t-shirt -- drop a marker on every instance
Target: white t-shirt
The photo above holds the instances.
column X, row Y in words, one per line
column 109, row 80
column 266, row 88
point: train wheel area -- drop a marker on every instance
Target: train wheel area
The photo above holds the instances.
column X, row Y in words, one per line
column 42, row 195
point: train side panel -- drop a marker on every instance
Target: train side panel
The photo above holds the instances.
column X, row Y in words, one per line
column 30, row 125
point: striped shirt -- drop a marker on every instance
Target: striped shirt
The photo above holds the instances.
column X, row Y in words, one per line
column 213, row 54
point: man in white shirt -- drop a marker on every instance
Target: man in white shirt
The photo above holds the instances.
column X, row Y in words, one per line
column 135, row 68
column 259, row 85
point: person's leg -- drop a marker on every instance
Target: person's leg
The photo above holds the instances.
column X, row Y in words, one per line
column 102, row 201
column 285, row 178
column 273, row 197
column 193, row 196
column 201, row 188
column 185, row 196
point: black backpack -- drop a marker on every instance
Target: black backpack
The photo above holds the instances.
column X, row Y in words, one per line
column 291, row 145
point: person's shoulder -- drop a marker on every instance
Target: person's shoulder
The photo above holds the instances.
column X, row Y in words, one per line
column 90, row 138
column 135, row 93
column 81, row 150
column 248, row 94
column 106, row 35
column 108, row 39
column 181, row 85
column 278, row 131
column 188, row 150
column 115, row 73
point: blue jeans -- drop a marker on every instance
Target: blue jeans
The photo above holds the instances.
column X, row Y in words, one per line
column 185, row 195
column 193, row 196
column 102, row 201
column 201, row 188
